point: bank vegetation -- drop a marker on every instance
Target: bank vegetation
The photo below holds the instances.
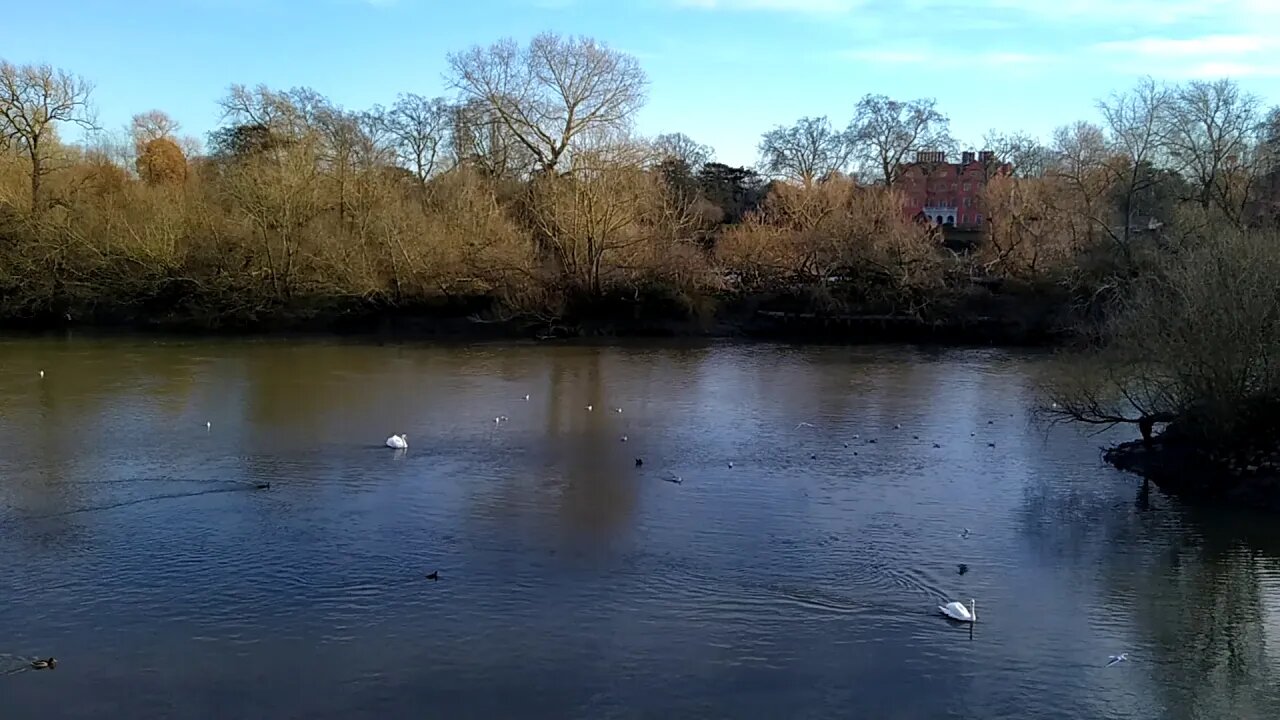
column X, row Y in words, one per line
column 523, row 197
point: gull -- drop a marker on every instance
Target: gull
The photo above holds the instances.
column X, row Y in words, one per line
column 500, row 419
column 857, row 437
column 208, row 425
column 590, row 408
column 674, row 478
column 804, row 425
column 730, row 464
column 623, row 438
column 41, row 373
column 526, row 397
column 897, row 427
column 1117, row 659
column 618, row 410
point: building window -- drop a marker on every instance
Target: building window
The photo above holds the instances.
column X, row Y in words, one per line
column 953, row 186
column 979, row 219
column 966, row 187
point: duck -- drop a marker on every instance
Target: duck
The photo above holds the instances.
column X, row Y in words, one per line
column 435, row 575
column 49, row 664
column 639, row 462
column 262, row 486
column 398, row 442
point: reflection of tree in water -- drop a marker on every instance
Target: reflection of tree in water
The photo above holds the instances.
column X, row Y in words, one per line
column 84, row 382
column 1203, row 604
column 1188, row 582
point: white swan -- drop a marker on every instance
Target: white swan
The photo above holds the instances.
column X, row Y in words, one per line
column 399, row 442
column 958, row 611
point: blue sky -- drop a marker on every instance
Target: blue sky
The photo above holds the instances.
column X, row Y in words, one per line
column 721, row 71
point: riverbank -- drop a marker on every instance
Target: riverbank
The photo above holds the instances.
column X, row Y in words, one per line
column 980, row 317
column 1248, row 477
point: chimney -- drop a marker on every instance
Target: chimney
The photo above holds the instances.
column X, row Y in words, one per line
column 966, row 158
column 986, row 156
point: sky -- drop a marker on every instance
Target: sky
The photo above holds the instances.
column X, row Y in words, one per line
column 721, row 71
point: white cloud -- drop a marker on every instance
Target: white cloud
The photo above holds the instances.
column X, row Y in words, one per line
column 899, row 56
column 1216, row 70
column 1206, row 45
column 1205, row 56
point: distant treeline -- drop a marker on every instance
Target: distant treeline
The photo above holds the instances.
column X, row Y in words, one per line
column 525, row 196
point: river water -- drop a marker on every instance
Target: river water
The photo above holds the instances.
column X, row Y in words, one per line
column 802, row 582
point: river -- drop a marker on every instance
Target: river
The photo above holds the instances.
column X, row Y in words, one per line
column 802, row 582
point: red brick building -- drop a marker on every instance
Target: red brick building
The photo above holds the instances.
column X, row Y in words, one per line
column 946, row 193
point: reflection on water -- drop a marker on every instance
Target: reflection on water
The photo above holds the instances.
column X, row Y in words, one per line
column 802, row 581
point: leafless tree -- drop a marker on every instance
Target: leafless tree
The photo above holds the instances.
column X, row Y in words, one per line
column 1081, row 153
column 1027, row 156
column 551, row 93
column 34, row 99
column 152, row 125
column 1134, row 125
column 1210, row 137
column 419, row 129
column 887, row 132
column 477, row 138
column 805, row 152
column 683, row 149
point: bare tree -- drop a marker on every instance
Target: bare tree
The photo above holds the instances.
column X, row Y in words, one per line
column 683, row 149
column 887, row 132
column 33, row 100
column 419, row 129
column 1026, row 156
column 1134, row 126
column 1209, row 135
column 805, row 152
column 477, row 138
column 551, row 93
column 152, row 125
column 1081, row 154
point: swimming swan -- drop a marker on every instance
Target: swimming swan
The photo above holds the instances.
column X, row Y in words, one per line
column 399, row 442
column 957, row 611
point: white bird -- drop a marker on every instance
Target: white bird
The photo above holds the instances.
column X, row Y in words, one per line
column 526, row 398
column 857, row 437
column 398, row 442
column 590, row 408
column 957, row 611
column 41, row 373
column 618, row 409
column 897, row 427
column 1115, row 659
column 500, row 419
column 208, row 425
column 730, row 463
column 624, row 438
column 804, row 425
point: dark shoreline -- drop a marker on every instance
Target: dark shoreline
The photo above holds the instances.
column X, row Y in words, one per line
column 1010, row 324
column 1245, row 478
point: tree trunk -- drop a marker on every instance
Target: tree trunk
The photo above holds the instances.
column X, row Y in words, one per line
column 37, row 170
